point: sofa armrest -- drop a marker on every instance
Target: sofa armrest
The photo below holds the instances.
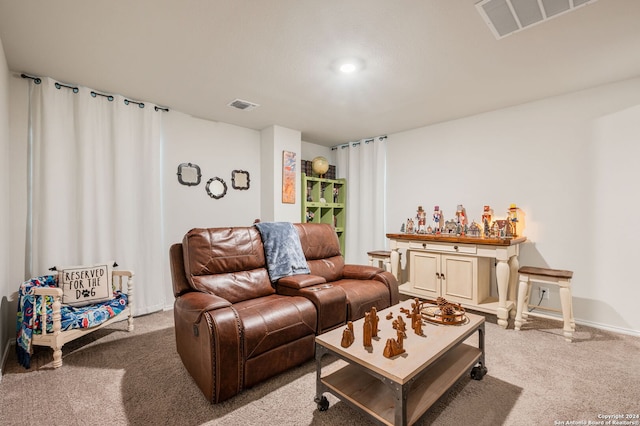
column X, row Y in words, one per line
column 391, row 282
column 194, row 304
column 363, row 272
column 360, row 272
column 209, row 342
column 300, row 281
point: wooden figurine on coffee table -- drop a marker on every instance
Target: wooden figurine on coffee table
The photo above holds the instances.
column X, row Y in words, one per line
column 347, row 335
column 416, row 322
column 367, row 330
column 416, row 316
column 394, row 346
column 373, row 316
column 400, row 326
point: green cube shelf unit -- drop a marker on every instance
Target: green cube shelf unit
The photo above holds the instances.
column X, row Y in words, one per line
column 325, row 201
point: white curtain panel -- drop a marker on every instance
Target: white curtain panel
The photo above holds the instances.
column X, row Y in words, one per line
column 95, row 186
column 363, row 164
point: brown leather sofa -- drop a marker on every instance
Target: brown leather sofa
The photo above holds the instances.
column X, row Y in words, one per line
column 234, row 328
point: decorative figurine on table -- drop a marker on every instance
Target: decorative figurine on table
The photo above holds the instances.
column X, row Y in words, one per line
column 373, row 317
column 494, row 231
column 474, row 229
column 400, row 326
column 416, row 316
column 347, row 336
column 421, row 217
column 437, row 219
column 461, row 215
column 402, row 229
column 309, row 198
column 367, row 330
column 450, row 227
column 394, row 347
column 500, row 228
column 416, row 306
column 429, row 230
column 487, row 214
column 513, row 219
column 416, row 320
column 410, row 224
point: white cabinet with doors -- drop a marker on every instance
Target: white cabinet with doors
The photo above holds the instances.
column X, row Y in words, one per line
column 461, row 279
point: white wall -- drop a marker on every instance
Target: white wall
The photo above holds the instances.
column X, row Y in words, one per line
column 274, row 141
column 312, row 150
column 218, row 148
column 568, row 162
column 5, row 177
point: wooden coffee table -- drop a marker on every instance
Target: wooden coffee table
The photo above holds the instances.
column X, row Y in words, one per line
column 401, row 389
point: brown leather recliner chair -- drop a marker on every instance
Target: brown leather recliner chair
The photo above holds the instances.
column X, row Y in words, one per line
column 233, row 330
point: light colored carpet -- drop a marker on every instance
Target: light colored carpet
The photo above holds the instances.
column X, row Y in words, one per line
column 116, row 377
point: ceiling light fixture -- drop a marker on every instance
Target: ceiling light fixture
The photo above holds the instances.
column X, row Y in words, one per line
column 349, row 65
column 348, row 68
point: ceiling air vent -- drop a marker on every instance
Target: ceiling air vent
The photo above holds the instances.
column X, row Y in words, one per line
column 242, row 105
column 505, row 17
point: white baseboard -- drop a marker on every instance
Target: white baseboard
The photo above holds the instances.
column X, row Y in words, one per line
column 10, row 344
column 614, row 329
column 620, row 330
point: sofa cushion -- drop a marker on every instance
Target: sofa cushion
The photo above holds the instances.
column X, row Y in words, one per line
column 272, row 321
column 228, row 262
column 322, row 249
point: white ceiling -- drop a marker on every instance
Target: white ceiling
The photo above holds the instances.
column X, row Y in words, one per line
column 426, row 61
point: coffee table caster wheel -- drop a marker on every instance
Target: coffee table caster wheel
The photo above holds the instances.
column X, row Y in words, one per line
column 478, row 372
column 323, row 403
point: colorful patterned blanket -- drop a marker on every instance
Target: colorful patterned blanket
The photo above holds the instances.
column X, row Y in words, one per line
column 71, row 317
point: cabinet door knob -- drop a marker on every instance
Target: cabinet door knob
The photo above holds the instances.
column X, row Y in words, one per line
column 424, row 245
column 442, row 276
column 455, row 248
column 437, row 275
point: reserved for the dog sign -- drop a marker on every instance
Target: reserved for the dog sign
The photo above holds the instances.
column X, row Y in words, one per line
column 83, row 285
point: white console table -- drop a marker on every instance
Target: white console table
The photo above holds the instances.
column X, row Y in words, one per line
column 458, row 269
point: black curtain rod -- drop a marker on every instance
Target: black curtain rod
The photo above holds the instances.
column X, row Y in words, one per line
column 59, row 85
column 140, row 104
column 38, row 80
column 109, row 97
column 345, row 145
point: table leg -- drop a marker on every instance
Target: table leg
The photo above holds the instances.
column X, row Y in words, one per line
column 320, row 399
column 479, row 371
column 514, row 265
column 400, row 395
column 395, row 263
column 502, row 277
